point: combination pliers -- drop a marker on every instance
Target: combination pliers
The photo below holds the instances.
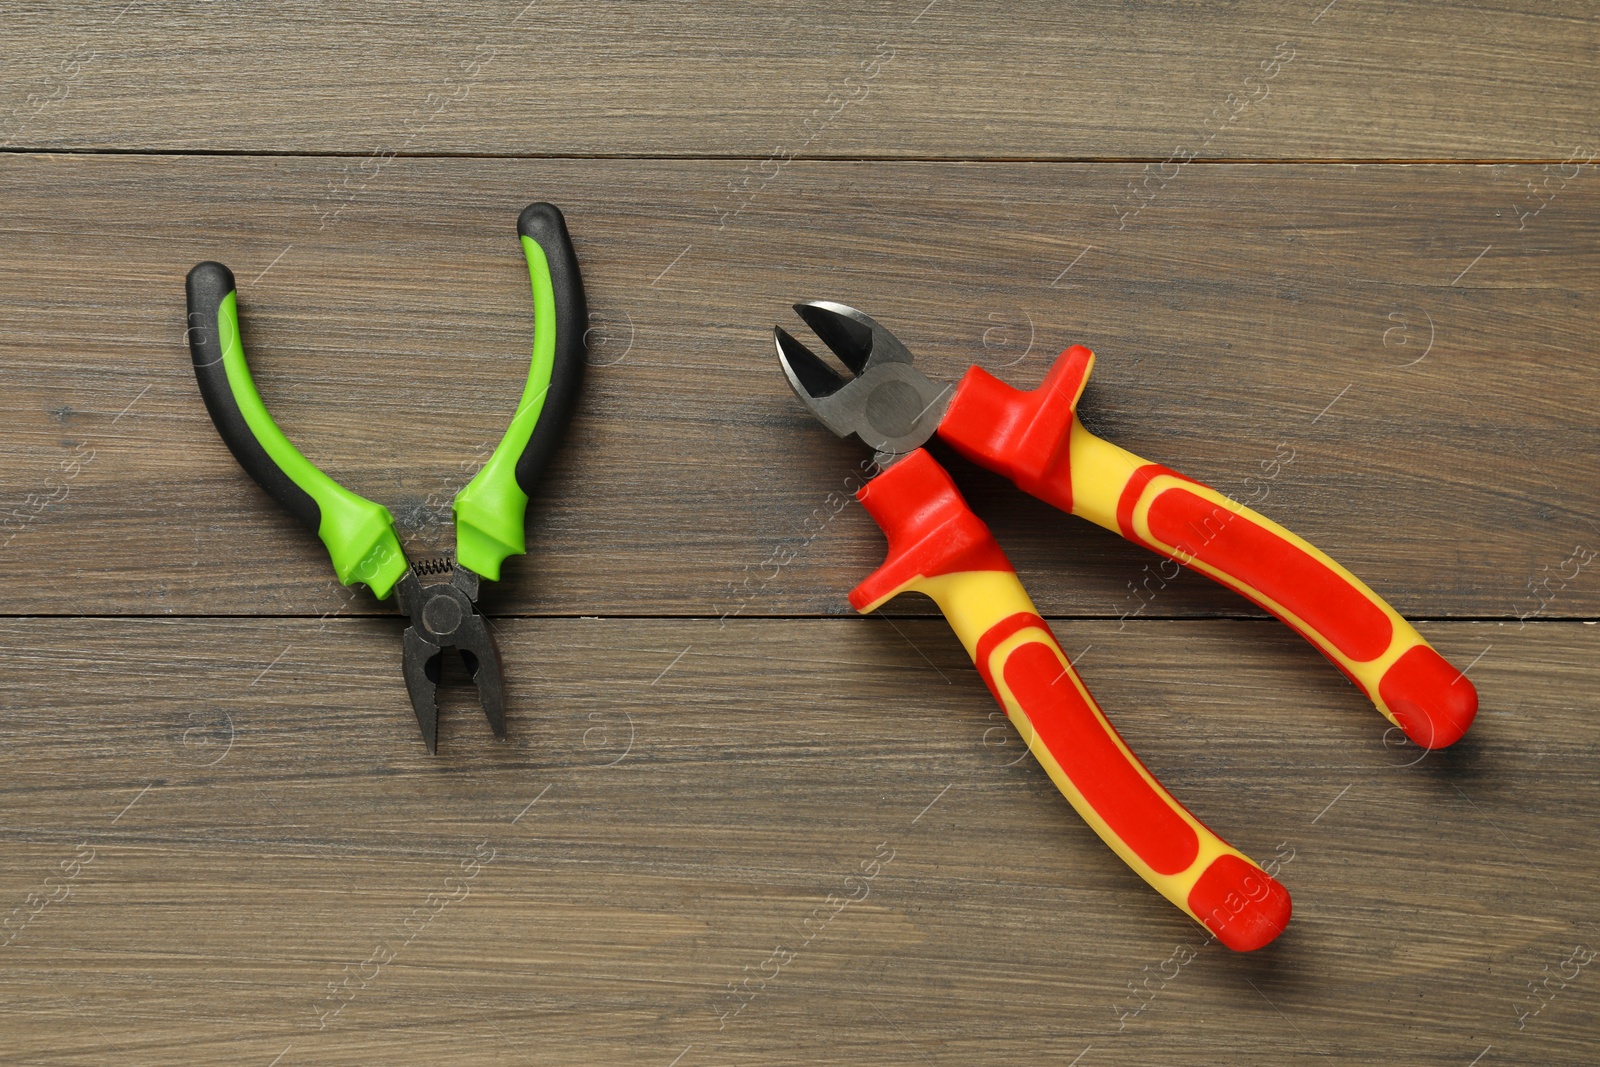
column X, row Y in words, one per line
column 359, row 534
column 938, row 547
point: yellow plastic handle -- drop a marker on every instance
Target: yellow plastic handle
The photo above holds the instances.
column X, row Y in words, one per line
column 1187, row 521
column 1034, row 438
column 939, row 548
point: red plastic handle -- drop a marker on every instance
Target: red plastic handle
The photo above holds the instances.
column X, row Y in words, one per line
column 1035, row 439
column 937, row 546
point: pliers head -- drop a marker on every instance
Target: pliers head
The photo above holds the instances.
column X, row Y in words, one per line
column 445, row 615
column 888, row 404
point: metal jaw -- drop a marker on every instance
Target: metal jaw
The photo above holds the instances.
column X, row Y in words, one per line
column 892, row 407
column 444, row 615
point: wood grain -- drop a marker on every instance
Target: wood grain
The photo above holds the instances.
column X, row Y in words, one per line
column 771, row 81
column 676, row 798
column 1364, row 234
column 1423, row 359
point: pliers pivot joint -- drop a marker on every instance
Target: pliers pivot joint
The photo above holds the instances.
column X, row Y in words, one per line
column 445, row 615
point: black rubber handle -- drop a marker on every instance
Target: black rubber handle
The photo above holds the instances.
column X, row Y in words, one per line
column 358, row 533
column 547, row 227
column 491, row 511
column 213, row 323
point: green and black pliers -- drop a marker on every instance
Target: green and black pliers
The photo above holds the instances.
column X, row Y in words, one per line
column 360, row 534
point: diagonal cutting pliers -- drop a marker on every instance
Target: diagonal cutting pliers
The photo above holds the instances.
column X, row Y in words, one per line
column 938, row 547
column 358, row 533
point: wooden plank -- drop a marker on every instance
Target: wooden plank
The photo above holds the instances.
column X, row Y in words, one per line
column 221, row 839
column 773, row 81
column 261, row 860
column 1422, row 357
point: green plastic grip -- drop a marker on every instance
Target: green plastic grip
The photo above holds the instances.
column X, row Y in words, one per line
column 359, row 534
column 491, row 510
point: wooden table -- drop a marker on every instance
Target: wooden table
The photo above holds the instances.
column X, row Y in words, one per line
column 1364, row 235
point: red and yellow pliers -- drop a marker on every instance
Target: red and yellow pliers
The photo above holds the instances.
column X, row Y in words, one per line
column 938, row 547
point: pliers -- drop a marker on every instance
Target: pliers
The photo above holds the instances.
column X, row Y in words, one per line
column 359, row 534
column 938, row 547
